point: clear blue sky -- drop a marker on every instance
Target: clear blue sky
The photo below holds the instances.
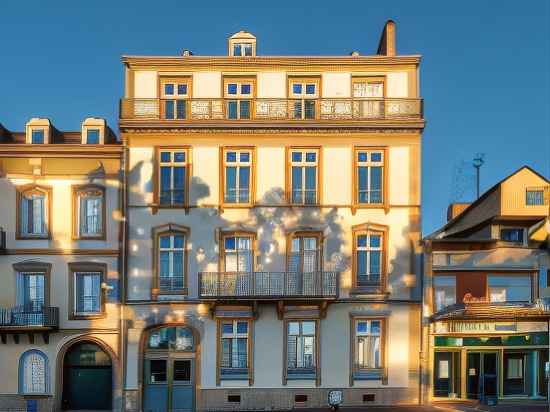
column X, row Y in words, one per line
column 485, row 74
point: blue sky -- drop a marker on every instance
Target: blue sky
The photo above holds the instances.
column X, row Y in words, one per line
column 485, row 73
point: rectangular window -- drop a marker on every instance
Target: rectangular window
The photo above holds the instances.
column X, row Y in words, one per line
column 242, row 49
column 92, row 136
column 174, row 95
column 509, row 288
column 512, row 235
column 31, row 290
column 157, row 371
column 369, row 258
column 173, row 176
column 368, row 343
column 87, row 287
column 369, row 165
column 535, row 197
column 305, row 254
column 238, row 94
column 33, row 212
column 172, row 262
column 238, row 254
column 37, row 137
column 89, row 204
column 304, row 95
column 237, row 170
column 304, row 176
column 234, row 335
column 301, row 348
column 444, row 288
column 368, row 97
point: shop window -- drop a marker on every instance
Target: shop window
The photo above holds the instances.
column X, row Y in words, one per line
column 509, row 288
column 444, row 291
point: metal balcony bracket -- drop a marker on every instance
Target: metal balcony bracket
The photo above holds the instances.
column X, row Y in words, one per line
column 323, row 309
column 46, row 337
column 31, row 338
column 16, row 338
column 4, row 338
column 255, row 310
column 212, row 311
column 280, row 310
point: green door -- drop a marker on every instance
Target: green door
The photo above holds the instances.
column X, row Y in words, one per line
column 87, row 378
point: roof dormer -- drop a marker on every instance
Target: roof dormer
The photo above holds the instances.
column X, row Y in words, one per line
column 94, row 130
column 38, row 131
column 242, row 44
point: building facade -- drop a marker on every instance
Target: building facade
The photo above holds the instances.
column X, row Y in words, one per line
column 61, row 222
column 486, row 308
column 273, row 208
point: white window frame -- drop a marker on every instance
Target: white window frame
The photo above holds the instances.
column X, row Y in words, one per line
column 237, row 164
column 172, row 164
column 83, row 274
column 300, row 345
column 172, row 250
column 369, row 335
column 369, row 164
column 38, row 385
column 83, row 195
column 234, row 336
column 28, row 199
column 369, row 249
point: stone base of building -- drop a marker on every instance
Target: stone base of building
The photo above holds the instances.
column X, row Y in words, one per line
column 13, row 403
column 242, row 399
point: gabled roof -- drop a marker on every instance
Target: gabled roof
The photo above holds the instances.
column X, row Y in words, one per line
column 439, row 233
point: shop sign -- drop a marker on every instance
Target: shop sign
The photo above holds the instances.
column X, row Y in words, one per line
column 500, row 328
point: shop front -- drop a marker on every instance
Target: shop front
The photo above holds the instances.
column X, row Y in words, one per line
column 489, row 359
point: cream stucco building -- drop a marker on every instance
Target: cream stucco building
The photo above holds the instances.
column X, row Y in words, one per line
column 274, row 220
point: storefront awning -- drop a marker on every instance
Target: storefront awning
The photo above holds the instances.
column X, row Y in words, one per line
column 494, row 311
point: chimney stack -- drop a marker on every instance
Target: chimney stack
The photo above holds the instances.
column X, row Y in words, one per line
column 386, row 46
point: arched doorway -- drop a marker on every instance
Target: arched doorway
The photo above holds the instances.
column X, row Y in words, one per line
column 169, row 370
column 87, row 378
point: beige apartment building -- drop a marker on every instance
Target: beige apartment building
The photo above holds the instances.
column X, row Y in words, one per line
column 273, row 207
column 61, row 225
column 487, row 298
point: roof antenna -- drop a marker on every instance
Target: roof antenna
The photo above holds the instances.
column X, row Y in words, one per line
column 479, row 160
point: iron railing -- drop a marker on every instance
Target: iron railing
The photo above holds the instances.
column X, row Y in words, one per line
column 353, row 109
column 171, row 284
column 268, row 285
column 29, row 316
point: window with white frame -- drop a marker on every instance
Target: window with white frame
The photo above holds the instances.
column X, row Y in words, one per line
column 238, row 94
column 234, row 335
column 33, row 213
column 368, row 343
column 242, row 49
column 370, row 176
column 238, row 253
column 238, row 173
column 368, row 255
column 31, row 292
column 37, row 136
column 173, row 169
column 368, row 96
column 92, row 136
column 87, row 296
column 536, row 196
column 304, row 95
column 444, row 289
column 301, row 347
column 172, row 262
column 33, row 373
column 304, row 176
column 304, row 254
column 174, row 95
column 90, row 212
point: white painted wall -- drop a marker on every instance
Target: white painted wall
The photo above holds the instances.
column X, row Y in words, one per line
column 271, row 85
column 336, row 84
column 207, row 84
column 397, row 84
column 145, row 84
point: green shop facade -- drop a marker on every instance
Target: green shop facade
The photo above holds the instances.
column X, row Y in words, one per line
column 481, row 359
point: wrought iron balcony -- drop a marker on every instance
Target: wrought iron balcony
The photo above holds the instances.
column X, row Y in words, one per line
column 273, row 110
column 29, row 318
column 268, row 285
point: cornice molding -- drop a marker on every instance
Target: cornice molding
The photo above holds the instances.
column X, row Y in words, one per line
column 241, row 131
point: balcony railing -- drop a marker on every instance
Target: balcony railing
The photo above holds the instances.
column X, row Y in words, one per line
column 29, row 318
column 295, row 110
column 268, row 285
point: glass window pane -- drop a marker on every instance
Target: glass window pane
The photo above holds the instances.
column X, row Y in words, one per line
column 92, row 136
column 231, row 184
column 375, row 264
column 245, row 109
column 165, row 156
column 362, row 241
column 310, row 89
column 362, row 183
column 182, row 371
column 311, row 156
column 227, row 328
column 309, row 112
column 244, row 157
column 37, row 137
column 361, row 262
column 311, row 177
column 247, row 49
column 293, row 328
column 244, row 184
column 182, row 89
column 165, row 242
column 375, row 241
column 231, row 156
column 157, row 371
column 362, row 157
column 376, row 157
column 184, row 339
column 169, row 89
column 179, row 157
column 180, row 109
column 509, row 288
column 242, row 327
column 245, row 88
column 236, row 49
column 297, row 88
column 232, row 88
column 375, row 327
column 229, row 243
column 179, row 240
column 362, row 327
column 308, row 328
column 169, row 112
column 296, row 156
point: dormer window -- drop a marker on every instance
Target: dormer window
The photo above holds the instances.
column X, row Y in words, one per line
column 92, row 136
column 37, row 136
column 242, row 49
column 512, row 234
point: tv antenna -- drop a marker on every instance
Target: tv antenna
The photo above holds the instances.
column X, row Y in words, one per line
column 478, row 161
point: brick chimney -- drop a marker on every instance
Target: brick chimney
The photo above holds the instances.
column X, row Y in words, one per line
column 386, row 46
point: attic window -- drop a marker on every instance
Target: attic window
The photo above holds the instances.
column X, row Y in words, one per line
column 92, row 136
column 512, row 235
column 242, row 49
column 535, row 197
column 37, row 136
